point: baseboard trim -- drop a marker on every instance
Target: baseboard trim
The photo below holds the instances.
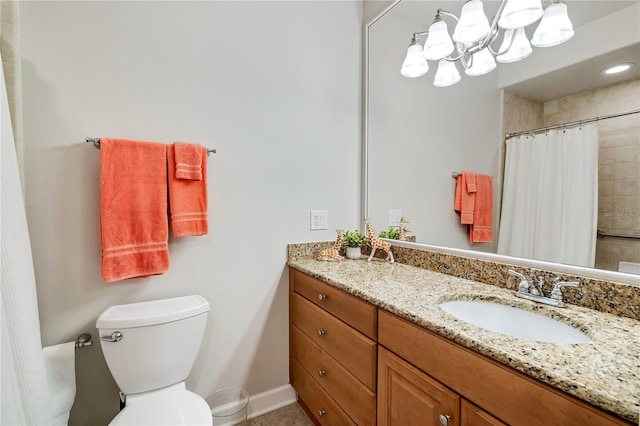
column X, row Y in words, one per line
column 270, row 400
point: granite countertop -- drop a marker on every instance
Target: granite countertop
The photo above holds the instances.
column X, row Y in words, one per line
column 604, row 372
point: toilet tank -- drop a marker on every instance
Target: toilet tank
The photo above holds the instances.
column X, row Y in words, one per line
column 159, row 344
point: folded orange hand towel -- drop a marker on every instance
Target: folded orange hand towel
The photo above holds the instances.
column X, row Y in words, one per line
column 133, row 209
column 481, row 231
column 188, row 200
column 464, row 201
column 188, row 161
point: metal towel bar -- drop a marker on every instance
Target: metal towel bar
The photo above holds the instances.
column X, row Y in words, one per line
column 96, row 143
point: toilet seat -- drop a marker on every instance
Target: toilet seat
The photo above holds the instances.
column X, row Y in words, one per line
column 172, row 405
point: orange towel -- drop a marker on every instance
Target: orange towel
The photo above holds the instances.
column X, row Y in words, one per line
column 481, row 231
column 465, row 200
column 133, row 209
column 188, row 161
column 188, row 200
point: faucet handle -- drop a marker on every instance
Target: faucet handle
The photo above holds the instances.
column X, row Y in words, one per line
column 517, row 274
column 556, row 293
column 525, row 283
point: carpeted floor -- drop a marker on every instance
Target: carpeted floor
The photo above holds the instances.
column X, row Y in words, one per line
column 289, row 415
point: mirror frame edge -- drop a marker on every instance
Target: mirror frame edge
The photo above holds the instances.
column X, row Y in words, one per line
column 589, row 273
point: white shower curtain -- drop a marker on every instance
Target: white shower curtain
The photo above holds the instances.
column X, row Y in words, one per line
column 550, row 197
column 24, row 394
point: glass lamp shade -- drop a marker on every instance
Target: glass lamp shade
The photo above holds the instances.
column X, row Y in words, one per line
column 473, row 24
column 520, row 47
column 482, row 63
column 554, row 28
column 520, row 13
column 414, row 64
column 438, row 44
column 447, row 74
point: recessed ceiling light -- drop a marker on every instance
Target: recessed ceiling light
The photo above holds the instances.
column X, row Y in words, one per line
column 618, row 68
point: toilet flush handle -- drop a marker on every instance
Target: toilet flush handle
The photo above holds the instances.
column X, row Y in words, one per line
column 116, row 336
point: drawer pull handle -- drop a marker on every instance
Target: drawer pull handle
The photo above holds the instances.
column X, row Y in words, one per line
column 321, row 413
column 321, row 373
column 444, row 419
column 320, row 333
column 322, row 296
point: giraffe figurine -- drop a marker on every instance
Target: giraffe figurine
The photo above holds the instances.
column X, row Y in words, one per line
column 332, row 254
column 377, row 243
column 403, row 229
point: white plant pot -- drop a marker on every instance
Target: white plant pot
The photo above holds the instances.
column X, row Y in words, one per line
column 354, row 252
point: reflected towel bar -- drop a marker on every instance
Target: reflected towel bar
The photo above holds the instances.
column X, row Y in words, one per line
column 456, row 174
column 96, row 143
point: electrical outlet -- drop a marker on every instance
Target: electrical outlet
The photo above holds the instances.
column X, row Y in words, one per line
column 394, row 217
column 319, row 219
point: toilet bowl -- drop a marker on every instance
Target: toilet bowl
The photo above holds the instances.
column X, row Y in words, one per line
column 150, row 348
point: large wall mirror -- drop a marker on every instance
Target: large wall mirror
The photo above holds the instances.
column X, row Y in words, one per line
column 417, row 135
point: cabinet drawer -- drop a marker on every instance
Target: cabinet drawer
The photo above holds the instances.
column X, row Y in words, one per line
column 355, row 398
column 324, row 409
column 511, row 396
column 361, row 315
column 354, row 351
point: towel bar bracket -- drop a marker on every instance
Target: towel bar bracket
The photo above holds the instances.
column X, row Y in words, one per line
column 84, row 340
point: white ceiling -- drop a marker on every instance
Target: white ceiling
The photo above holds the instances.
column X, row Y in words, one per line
column 576, row 78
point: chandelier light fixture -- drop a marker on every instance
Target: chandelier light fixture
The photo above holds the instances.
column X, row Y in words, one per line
column 473, row 35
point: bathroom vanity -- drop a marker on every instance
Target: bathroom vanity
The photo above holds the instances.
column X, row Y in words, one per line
column 370, row 345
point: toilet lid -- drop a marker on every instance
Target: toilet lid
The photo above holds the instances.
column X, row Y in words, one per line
column 169, row 406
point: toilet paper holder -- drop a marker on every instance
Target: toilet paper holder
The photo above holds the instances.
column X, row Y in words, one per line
column 84, row 340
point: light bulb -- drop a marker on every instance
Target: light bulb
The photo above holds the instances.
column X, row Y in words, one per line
column 482, row 62
column 438, row 44
column 414, row 64
column 520, row 13
column 473, row 24
column 447, row 74
column 520, row 47
column 554, row 28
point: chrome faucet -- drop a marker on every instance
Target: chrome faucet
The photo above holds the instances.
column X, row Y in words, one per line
column 528, row 289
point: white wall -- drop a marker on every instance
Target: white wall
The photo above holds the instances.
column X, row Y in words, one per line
column 273, row 86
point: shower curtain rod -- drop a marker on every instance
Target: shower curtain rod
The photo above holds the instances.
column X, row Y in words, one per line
column 572, row 123
column 96, row 143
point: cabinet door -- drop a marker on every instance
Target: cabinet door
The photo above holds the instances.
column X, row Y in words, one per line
column 472, row 415
column 407, row 396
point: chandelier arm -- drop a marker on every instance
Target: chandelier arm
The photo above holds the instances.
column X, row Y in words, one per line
column 513, row 37
column 493, row 29
column 449, row 14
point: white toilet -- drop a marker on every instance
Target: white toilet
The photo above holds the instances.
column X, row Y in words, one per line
column 150, row 348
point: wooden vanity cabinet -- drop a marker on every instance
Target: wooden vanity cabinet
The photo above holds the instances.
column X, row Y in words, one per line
column 333, row 352
column 429, row 369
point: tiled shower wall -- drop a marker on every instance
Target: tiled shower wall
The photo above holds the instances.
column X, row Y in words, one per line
column 619, row 158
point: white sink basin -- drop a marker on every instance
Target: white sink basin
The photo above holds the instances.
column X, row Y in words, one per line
column 513, row 321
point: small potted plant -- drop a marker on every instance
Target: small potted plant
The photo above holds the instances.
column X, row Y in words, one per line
column 392, row 233
column 353, row 241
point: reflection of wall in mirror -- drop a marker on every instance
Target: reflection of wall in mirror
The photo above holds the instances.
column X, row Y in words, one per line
column 418, row 134
column 618, row 157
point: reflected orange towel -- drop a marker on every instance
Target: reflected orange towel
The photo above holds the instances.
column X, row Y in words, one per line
column 188, row 199
column 481, row 231
column 188, row 161
column 133, row 209
column 465, row 199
